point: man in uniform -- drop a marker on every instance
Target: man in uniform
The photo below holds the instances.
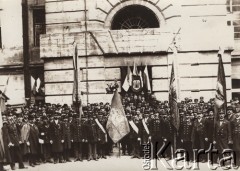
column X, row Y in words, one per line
column 14, row 145
column 223, row 134
column 67, row 137
column 56, row 139
column 198, row 133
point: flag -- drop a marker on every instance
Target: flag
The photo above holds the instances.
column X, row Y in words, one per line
column 135, row 71
column 6, row 85
column 141, row 78
column 75, row 66
column 220, row 94
column 33, row 85
column 117, row 124
column 146, row 79
column 2, row 106
column 128, row 80
column 75, row 55
column 38, row 84
column 173, row 98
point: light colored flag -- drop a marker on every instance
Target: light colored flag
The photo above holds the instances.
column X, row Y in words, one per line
column 135, row 71
column 38, row 84
column 75, row 55
column 128, row 80
column 6, row 85
column 33, row 85
column 117, row 124
column 146, row 79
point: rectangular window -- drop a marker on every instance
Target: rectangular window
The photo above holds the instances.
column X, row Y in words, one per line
column 38, row 25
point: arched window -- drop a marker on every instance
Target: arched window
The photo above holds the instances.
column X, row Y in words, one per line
column 135, row 17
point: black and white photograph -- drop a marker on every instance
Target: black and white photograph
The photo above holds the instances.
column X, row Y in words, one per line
column 117, row 85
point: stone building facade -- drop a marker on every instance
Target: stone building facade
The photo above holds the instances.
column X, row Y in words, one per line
column 112, row 34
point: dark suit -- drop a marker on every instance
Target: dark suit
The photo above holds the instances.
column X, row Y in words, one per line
column 56, row 135
column 222, row 135
column 236, row 139
column 34, row 144
column 67, row 137
column 15, row 151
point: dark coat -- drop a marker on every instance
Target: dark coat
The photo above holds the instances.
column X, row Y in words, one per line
column 101, row 134
column 14, row 136
column 33, row 139
column 143, row 133
column 92, row 133
column 6, row 141
column 186, row 130
column 156, row 129
column 77, row 130
column 56, row 135
column 236, row 135
column 198, row 133
column 44, row 133
column 66, row 135
column 168, row 130
column 223, row 135
column 209, row 129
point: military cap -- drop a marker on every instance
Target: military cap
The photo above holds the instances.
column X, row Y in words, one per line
column 229, row 108
column 221, row 111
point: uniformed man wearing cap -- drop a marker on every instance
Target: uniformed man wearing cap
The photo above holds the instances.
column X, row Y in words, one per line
column 185, row 131
column 67, row 137
column 14, row 144
column 78, row 138
column 223, row 134
column 45, row 140
column 198, row 133
column 56, row 139
column 33, row 141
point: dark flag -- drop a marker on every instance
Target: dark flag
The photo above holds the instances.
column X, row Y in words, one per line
column 173, row 96
column 220, row 95
column 117, row 124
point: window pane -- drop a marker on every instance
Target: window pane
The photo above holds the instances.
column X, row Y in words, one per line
column 235, row 83
column 236, row 35
column 237, row 29
column 236, row 22
column 236, row 8
column 236, row 2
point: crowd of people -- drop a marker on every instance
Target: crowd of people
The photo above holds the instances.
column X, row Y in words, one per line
column 55, row 133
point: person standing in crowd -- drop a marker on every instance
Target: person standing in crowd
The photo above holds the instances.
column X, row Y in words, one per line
column 156, row 129
column 198, row 134
column 78, row 138
column 44, row 135
column 102, row 136
column 14, row 145
column 186, row 134
column 56, row 139
column 33, row 142
column 92, row 138
column 223, row 134
column 67, row 137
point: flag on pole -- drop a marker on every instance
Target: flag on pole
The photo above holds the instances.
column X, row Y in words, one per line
column 135, row 71
column 141, row 78
column 75, row 55
column 75, row 63
column 146, row 79
column 33, row 85
column 128, row 80
column 117, row 124
column 220, row 95
column 38, row 84
column 6, row 85
column 173, row 98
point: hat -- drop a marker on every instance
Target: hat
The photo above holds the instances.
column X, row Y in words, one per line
column 221, row 111
column 229, row 108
